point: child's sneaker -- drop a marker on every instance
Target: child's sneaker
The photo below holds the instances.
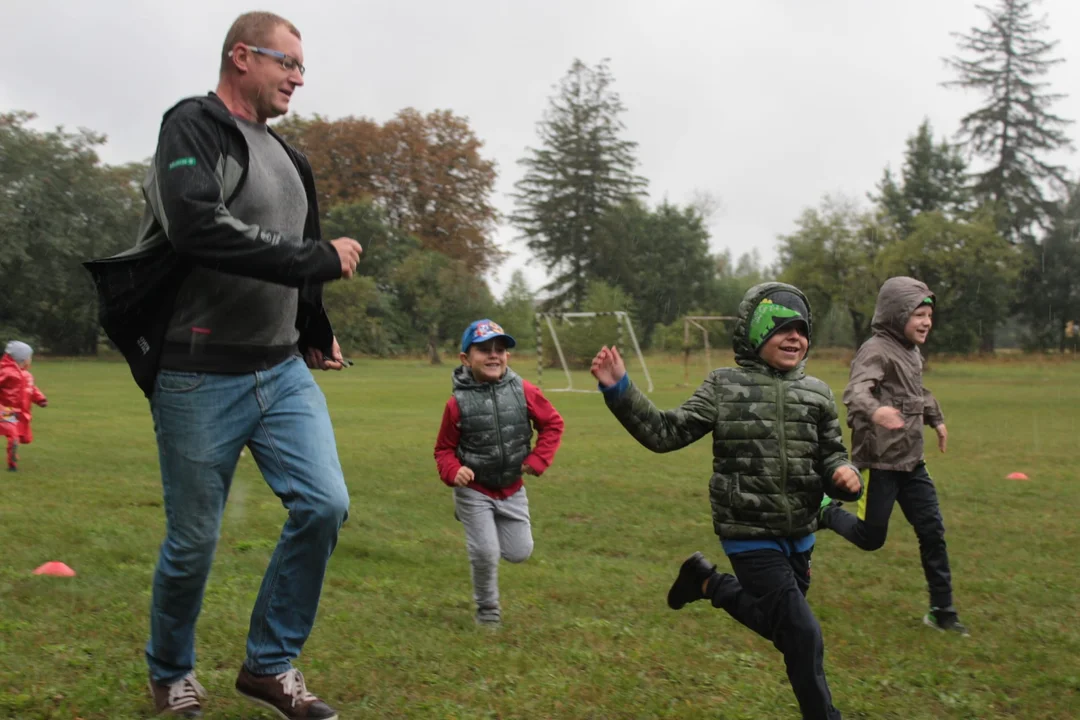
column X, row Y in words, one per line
column 823, row 511
column 687, row 587
column 945, row 621
column 182, row 698
column 490, row 618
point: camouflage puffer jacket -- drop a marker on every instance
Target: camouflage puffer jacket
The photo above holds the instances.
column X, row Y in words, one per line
column 776, row 437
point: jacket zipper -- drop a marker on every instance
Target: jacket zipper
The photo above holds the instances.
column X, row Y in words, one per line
column 783, row 448
column 498, row 430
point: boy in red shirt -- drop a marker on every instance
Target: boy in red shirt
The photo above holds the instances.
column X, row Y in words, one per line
column 17, row 395
column 483, row 449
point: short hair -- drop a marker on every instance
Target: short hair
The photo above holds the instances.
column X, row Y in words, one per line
column 252, row 28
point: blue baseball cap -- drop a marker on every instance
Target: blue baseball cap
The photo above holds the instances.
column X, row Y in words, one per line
column 483, row 330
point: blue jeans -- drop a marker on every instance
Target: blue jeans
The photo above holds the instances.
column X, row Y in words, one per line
column 202, row 421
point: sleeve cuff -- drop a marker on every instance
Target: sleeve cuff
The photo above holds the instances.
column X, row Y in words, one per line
column 616, row 390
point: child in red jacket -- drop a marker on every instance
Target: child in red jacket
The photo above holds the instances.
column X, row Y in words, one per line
column 483, row 449
column 18, row 395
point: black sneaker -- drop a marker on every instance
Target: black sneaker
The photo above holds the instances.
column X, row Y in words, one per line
column 284, row 693
column 182, row 698
column 945, row 621
column 687, row 587
column 827, row 503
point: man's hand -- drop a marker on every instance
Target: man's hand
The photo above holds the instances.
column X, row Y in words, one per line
column 942, row 436
column 527, row 469
column 348, row 251
column 464, row 476
column 608, row 367
column 847, row 479
column 888, row 418
column 43, row 403
column 317, row 361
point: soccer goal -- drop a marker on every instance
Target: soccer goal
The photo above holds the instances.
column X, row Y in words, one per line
column 696, row 321
column 623, row 323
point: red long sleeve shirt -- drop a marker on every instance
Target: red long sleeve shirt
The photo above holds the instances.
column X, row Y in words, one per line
column 545, row 419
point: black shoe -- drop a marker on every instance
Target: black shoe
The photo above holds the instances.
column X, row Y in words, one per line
column 12, row 468
column 827, row 503
column 945, row 621
column 687, row 587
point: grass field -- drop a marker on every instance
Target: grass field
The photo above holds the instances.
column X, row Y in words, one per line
column 586, row 632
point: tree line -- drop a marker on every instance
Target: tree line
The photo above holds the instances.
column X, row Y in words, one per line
column 986, row 219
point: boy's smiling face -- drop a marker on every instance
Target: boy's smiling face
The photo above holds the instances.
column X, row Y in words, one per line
column 487, row 360
column 918, row 325
column 786, row 348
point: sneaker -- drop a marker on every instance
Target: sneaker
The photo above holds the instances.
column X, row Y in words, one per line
column 488, row 617
column 826, row 503
column 180, row 699
column 687, row 587
column 284, row 693
column 945, row 621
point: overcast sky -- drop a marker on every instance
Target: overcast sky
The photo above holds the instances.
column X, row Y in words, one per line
column 767, row 104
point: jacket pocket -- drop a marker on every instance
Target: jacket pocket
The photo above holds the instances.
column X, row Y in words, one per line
column 911, row 406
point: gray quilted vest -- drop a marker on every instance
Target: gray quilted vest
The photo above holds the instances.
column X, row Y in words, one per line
column 496, row 435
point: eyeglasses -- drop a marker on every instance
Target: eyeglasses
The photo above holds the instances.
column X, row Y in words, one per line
column 287, row 62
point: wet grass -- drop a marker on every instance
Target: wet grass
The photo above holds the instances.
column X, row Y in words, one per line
column 586, row 633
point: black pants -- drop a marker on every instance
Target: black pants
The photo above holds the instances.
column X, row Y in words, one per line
column 918, row 500
column 769, row 597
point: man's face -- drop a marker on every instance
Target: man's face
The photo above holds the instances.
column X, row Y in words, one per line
column 268, row 83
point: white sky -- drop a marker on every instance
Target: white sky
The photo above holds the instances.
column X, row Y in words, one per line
column 767, row 105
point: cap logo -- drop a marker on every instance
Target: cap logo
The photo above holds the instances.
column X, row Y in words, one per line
column 488, row 328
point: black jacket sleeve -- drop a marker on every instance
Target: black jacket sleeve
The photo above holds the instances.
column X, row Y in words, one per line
column 190, row 165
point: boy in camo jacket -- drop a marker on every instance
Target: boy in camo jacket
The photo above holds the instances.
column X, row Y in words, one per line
column 777, row 449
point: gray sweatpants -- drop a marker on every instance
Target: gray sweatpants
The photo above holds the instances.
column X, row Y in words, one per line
column 493, row 529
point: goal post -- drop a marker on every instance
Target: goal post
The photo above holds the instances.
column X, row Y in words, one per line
column 696, row 321
column 623, row 322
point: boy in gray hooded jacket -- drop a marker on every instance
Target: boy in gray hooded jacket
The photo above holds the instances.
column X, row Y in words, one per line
column 887, row 408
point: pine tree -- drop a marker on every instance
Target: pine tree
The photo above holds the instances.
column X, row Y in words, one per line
column 933, row 178
column 582, row 169
column 1014, row 130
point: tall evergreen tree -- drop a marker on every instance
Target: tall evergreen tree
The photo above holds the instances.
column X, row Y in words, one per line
column 1051, row 278
column 581, row 170
column 1014, row 130
column 933, row 178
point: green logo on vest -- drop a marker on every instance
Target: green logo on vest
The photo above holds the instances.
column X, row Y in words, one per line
column 182, row 162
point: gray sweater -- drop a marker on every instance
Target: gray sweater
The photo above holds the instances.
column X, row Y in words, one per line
column 229, row 323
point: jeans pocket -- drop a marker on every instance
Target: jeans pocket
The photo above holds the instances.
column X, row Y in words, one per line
column 172, row 381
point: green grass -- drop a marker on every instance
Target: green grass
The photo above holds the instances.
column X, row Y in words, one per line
column 586, row 632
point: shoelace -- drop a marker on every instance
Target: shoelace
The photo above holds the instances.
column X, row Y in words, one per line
column 292, row 684
column 186, row 693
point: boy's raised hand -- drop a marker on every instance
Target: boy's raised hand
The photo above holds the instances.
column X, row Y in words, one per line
column 608, row 367
column 888, row 417
column 847, row 479
column 464, row 476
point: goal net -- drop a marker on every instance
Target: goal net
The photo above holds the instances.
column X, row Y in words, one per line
column 553, row 320
column 698, row 322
